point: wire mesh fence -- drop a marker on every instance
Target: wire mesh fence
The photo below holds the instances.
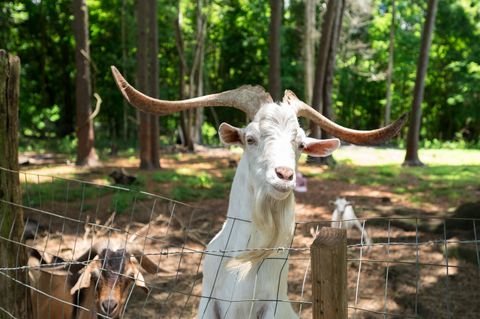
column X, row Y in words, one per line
column 417, row 267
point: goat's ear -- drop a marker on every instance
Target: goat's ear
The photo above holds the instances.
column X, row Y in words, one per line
column 140, row 282
column 137, row 275
column 85, row 278
column 320, row 148
column 230, row 135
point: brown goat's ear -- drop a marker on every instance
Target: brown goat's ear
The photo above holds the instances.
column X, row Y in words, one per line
column 320, row 148
column 85, row 278
column 135, row 272
column 230, row 135
column 140, row 282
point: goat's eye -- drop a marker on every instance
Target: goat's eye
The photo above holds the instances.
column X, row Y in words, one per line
column 301, row 146
column 251, row 140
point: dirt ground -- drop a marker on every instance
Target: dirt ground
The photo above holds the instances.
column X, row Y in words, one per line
column 403, row 275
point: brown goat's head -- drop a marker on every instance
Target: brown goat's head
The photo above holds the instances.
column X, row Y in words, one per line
column 110, row 278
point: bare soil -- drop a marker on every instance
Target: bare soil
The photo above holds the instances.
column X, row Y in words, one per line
column 404, row 274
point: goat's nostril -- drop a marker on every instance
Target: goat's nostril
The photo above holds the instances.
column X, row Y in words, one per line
column 109, row 306
column 284, row 173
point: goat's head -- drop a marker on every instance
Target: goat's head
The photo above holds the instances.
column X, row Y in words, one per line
column 273, row 142
column 110, row 277
column 340, row 203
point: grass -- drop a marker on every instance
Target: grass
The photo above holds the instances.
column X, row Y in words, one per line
column 189, row 185
column 452, row 175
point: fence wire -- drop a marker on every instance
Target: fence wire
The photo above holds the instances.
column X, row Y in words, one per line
column 417, row 266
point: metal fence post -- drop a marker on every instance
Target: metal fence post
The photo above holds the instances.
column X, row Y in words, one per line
column 329, row 274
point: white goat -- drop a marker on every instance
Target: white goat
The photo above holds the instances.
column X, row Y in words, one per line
column 244, row 272
column 344, row 217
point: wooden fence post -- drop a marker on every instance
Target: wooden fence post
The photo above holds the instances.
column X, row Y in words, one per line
column 329, row 274
column 15, row 297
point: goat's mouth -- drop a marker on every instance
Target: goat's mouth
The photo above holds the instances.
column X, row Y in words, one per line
column 281, row 190
column 102, row 315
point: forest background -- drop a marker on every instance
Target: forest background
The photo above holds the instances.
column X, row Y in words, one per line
column 235, row 50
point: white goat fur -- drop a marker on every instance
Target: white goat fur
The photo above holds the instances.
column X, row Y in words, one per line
column 260, row 215
column 344, row 217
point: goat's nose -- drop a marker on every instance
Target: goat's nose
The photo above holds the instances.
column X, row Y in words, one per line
column 284, row 173
column 109, row 306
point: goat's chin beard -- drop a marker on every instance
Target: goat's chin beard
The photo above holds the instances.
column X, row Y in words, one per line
column 272, row 226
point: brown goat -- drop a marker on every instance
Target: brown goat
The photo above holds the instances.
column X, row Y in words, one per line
column 98, row 290
column 51, row 286
column 105, row 284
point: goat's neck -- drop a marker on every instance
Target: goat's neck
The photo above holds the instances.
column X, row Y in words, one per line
column 241, row 194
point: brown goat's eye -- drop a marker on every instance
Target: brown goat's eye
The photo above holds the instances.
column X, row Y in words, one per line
column 251, row 140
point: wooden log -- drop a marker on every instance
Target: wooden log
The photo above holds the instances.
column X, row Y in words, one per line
column 329, row 274
column 15, row 296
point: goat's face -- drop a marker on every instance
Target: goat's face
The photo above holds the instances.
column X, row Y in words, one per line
column 111, row 274
column 273, row 142
column 340, row 203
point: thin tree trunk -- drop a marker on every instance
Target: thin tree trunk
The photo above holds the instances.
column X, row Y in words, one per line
column 328, row 25
column 15, row 297
column 411, row 156
column 202, row 30
column 330, row 70
column 124, row 68
column 86, row 155
column 153, row 81
column 388, row 104
column 185, row 135
column 274, row 49
column 144, row 129
column 310, row 39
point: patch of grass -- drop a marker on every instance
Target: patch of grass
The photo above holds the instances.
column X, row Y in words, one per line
column 190, row 185
column 122, row 201
column 431, row 183
column 165, row 176
column 59, row 190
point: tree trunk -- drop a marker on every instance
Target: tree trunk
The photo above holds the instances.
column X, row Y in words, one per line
column 411, row 156
column 86, row 155
column 123, row 31
column 191, row 121
column 310, row 39
column 328, row 25
column 15, row 297
column 388, row 104
column 198, row 77
column 182, row 70
column 324, row 73
column 144, row 129
column 153, row 81
column 330, row 70
column 274, row 49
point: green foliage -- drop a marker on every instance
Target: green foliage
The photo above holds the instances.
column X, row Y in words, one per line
column 236, row 53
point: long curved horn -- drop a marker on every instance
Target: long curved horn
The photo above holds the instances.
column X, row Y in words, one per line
column 246, row 98
column 352, row 136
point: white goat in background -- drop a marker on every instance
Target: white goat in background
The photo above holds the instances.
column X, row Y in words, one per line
column 244, row 272
column 344, row 217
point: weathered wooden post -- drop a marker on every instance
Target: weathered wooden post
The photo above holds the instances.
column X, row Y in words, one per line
column 329, row 274
column 14, row 299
